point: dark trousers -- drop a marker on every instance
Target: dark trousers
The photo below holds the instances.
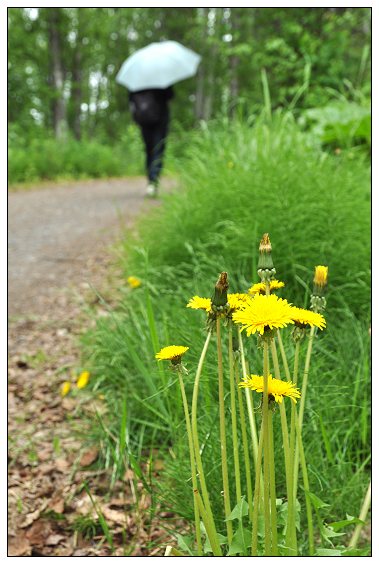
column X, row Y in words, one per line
column 154, row 137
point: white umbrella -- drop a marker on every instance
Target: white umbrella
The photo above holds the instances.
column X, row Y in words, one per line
column 158, row 65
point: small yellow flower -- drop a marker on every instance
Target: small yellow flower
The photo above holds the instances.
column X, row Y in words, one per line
column 173, row 353
column 133, row 282
column 236, row 301
column 306, row 317
column 65, row 388
column 321, row 276
column 263, row 313
column 260, row 287
column 200, row 303
column 230, row 164
column 277, row 389
column 83, row 379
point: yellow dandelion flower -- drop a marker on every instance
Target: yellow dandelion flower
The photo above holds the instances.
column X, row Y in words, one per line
column 65, row 388
column 83, row 379
column 133, row 282
column 236, row 301
column 277, row 389
column 306, row 317
column 260, row 287
column 321, row 276
column 262, row 313
column 173, row 353
column 200, row 303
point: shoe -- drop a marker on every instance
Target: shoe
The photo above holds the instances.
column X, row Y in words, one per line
column 151, row 191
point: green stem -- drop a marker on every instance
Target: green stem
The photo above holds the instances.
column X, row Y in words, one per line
column 245, row 445
column 209, row 526
column 195, row 436
column 302, row 406
column 291, row 541
column 308, row 505
column 234, row 416
column 257, row 496
column 283, row 355
column 224, row 456
column 266, row 448
column 293, row 434
column 274, row 529
column 193, row 464
column 250, row 407
column 362, row 516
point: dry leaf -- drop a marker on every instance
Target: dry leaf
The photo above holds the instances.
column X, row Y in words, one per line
column 113, row 515
column 57, row 504
column 19, row 547
column 38, row 532
column 62, row 465
column 53, row 539
column 30, row 517
column 89, row 457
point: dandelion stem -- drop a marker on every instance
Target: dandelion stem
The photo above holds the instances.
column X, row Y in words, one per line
column 193, row 464
column 283, row 355
column 245, row 445
column 306, row 489
column 302, row 406
column 291, row 540
column 234, row 416
column 266, row 447
column 195, row 435
column 224, row 457
column 250, row 408
column 293, row 433
column 362, row 516
column 274, row 530
column 209, row 525
column 257, row 497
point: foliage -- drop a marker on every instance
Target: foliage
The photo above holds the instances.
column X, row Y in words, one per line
column 239, row 181
column 322, row 48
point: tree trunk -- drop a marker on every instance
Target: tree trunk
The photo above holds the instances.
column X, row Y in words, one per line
column 57, row 74
column 199, row 102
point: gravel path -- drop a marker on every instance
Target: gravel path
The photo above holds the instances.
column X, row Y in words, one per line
column 57, row 233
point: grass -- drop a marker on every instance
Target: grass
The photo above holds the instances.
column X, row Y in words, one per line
column 239, row 181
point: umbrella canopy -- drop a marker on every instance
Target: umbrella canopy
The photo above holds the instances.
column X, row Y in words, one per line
column 158, row 65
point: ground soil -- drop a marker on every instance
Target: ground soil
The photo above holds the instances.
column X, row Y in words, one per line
column 60, row 260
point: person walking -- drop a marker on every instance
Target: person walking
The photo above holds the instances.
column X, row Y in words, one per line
column 150, row 110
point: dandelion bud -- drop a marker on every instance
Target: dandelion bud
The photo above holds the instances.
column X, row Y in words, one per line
column 266, row 269
column 318, row 302
column 220, row 296
column 320, row 279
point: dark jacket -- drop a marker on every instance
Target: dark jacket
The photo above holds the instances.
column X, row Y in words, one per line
column 161, row 98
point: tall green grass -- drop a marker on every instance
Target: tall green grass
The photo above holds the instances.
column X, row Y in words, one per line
column 239, row 180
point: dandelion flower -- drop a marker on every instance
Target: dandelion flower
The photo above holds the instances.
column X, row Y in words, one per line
column 277, row 389
column 173, row 353
column 236, row 301
column 200, row 303
column 260, row 287
column 65, row 388
column 306, row 317
column 262, row 313
column 83, row 379
column 133, row 282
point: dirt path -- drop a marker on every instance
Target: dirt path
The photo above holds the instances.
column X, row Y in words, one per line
column 59, row 241
column 57, row 234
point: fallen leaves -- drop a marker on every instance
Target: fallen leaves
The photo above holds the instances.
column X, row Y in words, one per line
column 47, row 505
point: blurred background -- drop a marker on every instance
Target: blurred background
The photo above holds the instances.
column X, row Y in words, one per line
column 63, row 62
